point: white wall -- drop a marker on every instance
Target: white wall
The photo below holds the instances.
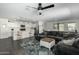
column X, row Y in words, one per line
column 49, row 25
column 24, row 34
column 5, row 28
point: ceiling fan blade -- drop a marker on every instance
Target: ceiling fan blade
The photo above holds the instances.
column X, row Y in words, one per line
column 47, row 7
column 31, row 7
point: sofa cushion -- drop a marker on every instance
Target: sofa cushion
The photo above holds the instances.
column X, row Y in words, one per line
column 76, row 43
column 68, row 42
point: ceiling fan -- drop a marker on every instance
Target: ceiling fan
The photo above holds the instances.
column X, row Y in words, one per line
column 40, row 8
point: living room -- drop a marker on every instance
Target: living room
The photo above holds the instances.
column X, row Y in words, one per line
column 39, row 29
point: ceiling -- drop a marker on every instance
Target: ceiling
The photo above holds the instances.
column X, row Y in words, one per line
column 61, row 11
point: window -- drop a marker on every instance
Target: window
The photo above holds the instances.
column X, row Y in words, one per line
column 55, row 26
column 71, row 26
column 59, row 26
